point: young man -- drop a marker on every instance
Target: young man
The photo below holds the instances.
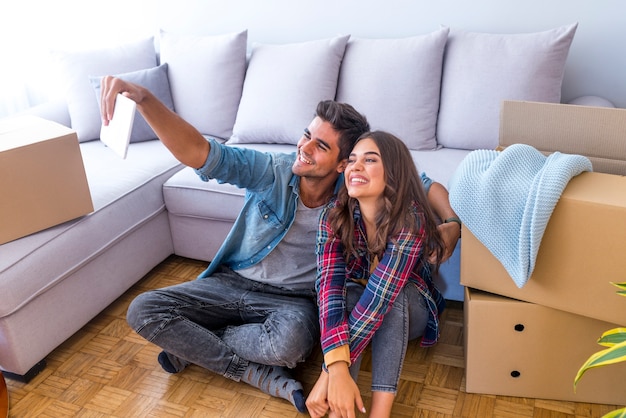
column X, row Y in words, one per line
column 252, row 314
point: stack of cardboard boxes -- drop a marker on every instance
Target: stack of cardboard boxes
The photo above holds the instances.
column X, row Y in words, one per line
column 531, row 341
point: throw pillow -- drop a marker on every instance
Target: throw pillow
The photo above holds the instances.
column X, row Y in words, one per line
column 206, row 77
column 155, row 80
column 591, row 101
column 284, row 84
column 75, row 68
column 481, row 70
column 395, row 83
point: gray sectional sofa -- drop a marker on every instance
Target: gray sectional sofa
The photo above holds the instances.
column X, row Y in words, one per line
column 439, row 91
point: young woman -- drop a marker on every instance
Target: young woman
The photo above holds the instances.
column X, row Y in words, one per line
column 374, row 281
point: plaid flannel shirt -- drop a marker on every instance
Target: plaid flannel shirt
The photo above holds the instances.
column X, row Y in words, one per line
column 400, row 265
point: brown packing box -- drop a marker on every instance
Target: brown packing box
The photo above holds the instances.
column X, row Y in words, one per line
column 582, row 250
column 515, row 348
column 42, row 177
column 596, row 132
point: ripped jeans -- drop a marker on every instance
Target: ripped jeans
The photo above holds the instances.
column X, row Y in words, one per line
column 224, row 321
column 405, row 321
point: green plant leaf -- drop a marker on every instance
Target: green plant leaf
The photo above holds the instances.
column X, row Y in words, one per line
column 621, row 286
column 615, row 339
column 614, row 354
column 612, row 337
column 618, row 413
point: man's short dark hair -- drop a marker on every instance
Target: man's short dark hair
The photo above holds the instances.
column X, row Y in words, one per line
column 346, row 121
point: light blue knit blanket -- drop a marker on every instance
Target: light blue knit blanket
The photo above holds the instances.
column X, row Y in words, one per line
column 505, row 198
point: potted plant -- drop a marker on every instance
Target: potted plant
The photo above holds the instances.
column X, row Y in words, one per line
column 615, row 341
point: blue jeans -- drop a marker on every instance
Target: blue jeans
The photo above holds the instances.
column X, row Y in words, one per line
column 224, row 321
column 405, row 321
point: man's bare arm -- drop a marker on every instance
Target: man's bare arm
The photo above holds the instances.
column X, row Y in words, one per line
column 181, row 138
column 440, row 202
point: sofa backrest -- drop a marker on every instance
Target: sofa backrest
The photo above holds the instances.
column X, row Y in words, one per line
column 438, row 89
column 595, row 65
column 241, row 73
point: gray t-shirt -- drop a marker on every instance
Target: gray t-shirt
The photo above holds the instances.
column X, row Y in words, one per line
column 292, row 264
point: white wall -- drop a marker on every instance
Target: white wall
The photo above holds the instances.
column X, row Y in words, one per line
column 29, row 28
column 596, row 64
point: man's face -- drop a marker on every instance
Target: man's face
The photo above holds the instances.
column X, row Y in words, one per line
column 318, row 151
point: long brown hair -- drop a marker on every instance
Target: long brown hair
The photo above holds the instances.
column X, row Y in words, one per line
column 403, row 190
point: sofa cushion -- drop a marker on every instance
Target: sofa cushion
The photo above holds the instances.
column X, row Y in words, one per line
column 155, row 80
column 481, row 70
column 439, row 165
column 283, row 85
column 395, row 83
column 75, row 67
column 206, row 76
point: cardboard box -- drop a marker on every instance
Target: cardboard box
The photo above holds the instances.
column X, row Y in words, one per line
column 596, row 132
column 515, row 348
column 582, row 250
column 42, row 177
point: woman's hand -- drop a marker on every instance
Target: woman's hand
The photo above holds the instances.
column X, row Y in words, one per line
column 343, row 393
column 317, row 401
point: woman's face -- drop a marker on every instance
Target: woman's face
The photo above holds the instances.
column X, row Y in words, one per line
column 365, row 174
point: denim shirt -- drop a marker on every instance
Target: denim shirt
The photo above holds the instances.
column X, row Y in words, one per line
column 272, row 192
column 269, row 207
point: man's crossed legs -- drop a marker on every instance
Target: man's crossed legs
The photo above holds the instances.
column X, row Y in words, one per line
column 232, row 326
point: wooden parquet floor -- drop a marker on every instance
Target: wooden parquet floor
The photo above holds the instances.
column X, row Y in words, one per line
column 106, row 370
